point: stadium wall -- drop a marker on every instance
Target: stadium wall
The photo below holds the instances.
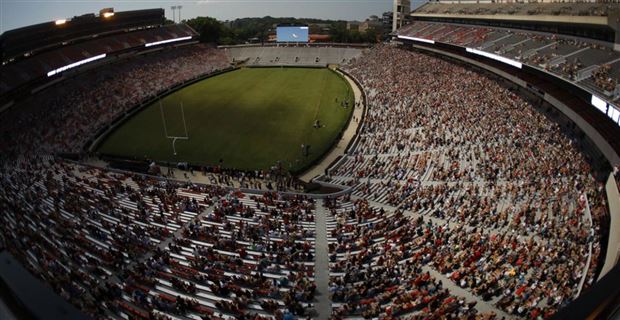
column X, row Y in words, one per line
column 342, row 190
column 333, row 149
column 613, row 245
column 355, row 140
column 298, row 45
column 599, row 302
column 336, row 163
column 29, row 297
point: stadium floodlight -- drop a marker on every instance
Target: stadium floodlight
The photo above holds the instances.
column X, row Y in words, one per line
column 174, row 138
column 179, row 8
column 60, row 22
column 174, row 13
column 108, row 14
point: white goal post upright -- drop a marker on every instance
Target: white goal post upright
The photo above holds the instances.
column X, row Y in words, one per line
column 174, row 138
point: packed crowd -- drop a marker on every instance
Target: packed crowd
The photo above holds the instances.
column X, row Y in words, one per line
column 475, row 153
column 125, row 245
column 381, row 261
column 486, row 190
column 66, row 118
column 122, row 245
column 376, row 267
column 248, row 257
column 75, row 227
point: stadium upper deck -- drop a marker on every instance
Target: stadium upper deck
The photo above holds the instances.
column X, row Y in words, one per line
column 591, row 64
column 591, row 20
column 577, row 42
column 33, row 39
column 524, row 9
column 34, row 55
column 21, row 72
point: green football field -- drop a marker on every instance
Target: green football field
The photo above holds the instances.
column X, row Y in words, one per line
column 245, row 119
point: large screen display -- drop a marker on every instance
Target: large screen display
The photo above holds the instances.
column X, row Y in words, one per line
column 292, row 34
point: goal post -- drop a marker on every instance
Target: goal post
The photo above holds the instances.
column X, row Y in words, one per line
column 174, row 138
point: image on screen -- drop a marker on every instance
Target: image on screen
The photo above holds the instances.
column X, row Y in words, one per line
column 292, row 34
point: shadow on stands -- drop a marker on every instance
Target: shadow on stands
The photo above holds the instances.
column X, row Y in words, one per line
column 28, row 297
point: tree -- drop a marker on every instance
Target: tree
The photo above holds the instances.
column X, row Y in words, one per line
column 242, row 30
column 372, row 36
column 210, row 29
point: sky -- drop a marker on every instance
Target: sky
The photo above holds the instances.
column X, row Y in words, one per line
column 20, row 13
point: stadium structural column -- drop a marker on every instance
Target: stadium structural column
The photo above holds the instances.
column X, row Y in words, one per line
column 323, row 305
column 394, row 15
column 613, row 20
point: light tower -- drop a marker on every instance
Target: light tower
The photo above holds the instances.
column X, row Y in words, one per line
column 174, row 15
column 179, row 7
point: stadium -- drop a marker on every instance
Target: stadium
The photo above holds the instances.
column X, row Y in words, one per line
column 456, row 160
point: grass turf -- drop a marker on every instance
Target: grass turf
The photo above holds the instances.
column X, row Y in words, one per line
column 248, row 118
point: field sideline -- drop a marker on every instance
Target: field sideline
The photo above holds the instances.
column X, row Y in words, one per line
column 246, row 119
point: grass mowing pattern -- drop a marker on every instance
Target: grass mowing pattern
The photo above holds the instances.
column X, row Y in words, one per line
column 249, row 118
